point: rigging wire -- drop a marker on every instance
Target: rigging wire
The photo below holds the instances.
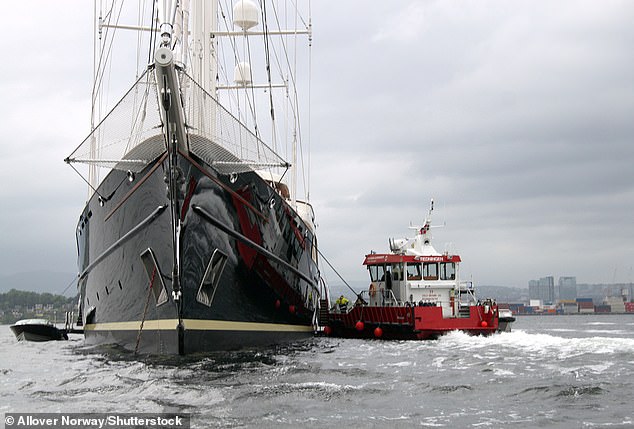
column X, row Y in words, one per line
column 154, row 27
column 87, row 182
column 270, row 53
column 294, row 106
column 358, row 294
column 232, row 40
column 138, row 38
column 222, row 69
column 247, row 45
column 142, row 105
column 69, row 285
column 310, row 72
column 106, row 53
column 298, row 14
column 234, row 50
column 106, row 19
column 267, row 57
column 114, row 12
column 271, row 48
column 96, row 98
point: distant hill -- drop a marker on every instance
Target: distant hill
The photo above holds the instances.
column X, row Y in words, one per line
column 40, row 281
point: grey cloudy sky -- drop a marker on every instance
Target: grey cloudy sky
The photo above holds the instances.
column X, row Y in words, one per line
column 515, row 116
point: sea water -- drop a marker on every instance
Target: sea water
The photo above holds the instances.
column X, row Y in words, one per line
column 551, row 371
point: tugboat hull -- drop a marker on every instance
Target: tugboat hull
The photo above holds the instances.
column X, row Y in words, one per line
column 408, row 323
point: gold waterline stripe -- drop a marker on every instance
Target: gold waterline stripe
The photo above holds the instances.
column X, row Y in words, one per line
column 196, row 325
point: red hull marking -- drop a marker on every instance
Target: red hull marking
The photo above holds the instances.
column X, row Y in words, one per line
column 248, row 227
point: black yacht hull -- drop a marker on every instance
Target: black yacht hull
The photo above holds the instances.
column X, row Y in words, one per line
column 240, row 272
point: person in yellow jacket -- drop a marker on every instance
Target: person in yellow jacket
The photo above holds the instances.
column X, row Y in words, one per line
column 342, row 303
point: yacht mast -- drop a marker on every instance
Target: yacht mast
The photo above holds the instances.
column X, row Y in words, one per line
column 203, row 52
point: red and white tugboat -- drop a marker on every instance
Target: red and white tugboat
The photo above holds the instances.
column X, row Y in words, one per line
column 415, row 294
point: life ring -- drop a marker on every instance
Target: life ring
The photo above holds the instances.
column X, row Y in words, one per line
column 372, row 290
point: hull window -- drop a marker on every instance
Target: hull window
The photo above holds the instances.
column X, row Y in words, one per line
column 154, row 275
column 210, row 281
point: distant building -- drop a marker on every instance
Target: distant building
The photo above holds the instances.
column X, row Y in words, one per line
column 585, row 305
column 536, row 303
column 520, row 308
column 567, row 288
column 543, row 290
column 616, row 304
column 570, row 308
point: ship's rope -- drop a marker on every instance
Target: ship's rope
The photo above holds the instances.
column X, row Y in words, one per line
column 147, row 302
column 357, row 294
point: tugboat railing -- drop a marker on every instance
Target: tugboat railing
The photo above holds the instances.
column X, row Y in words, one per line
column 390, row 297
column 468, row 288
column 324, row 290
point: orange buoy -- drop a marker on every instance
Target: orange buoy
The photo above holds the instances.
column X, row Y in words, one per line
column 372, row 290
column 378, row 332
column 327, row 330
column 359, row 326
column 484, row 324
column 291, row 309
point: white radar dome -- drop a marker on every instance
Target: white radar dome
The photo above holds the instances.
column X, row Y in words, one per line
column 245, row 14
column 242, row 74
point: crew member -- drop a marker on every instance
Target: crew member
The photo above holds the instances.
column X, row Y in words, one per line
column 342, row 303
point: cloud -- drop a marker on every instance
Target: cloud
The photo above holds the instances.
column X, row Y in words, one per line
column 514, row 116
column 517, row 116
column 405, row 25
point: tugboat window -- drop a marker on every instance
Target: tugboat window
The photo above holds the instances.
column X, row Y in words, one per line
column 447, row 271
column 413, row 272
column 397, row 272
column 377, row 273
column 430, row 271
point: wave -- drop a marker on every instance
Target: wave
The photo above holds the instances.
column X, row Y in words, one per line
column 311, row 389
column 563, row 391
column 521, row 342
column 607, row 331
